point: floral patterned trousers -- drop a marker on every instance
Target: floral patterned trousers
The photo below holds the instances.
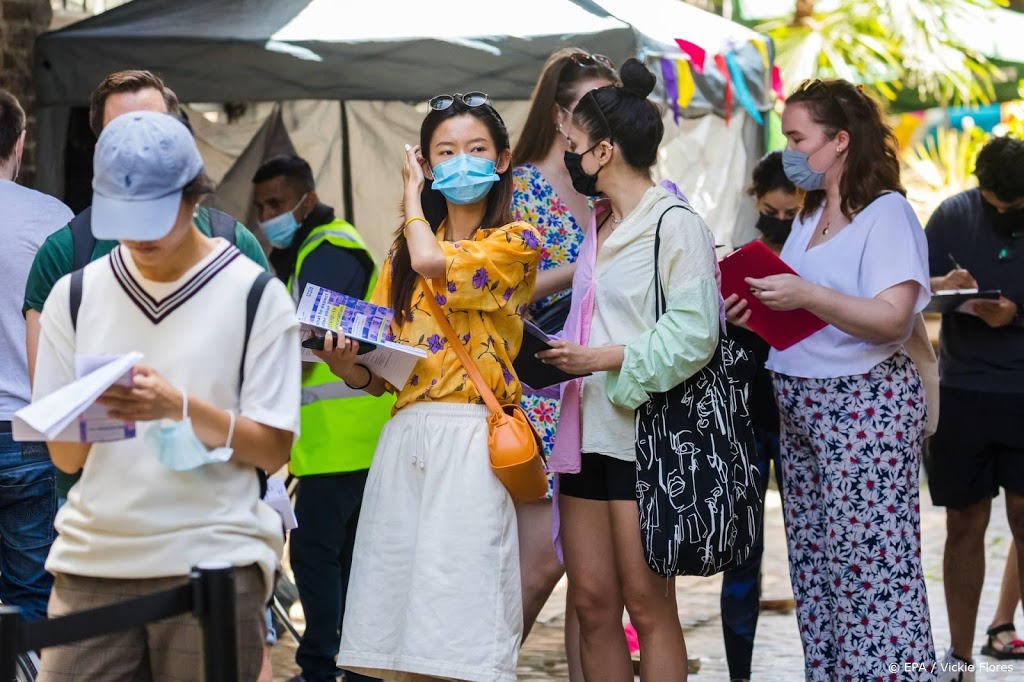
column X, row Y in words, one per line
column 851, row 448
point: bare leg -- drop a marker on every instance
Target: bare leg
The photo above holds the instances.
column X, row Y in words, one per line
column 538, row 564
column 1009, row 592
column 590, row 563
column 963, row 571
column 266, row 669
column 572, row 638
column 1015, row 515
column 650, row 601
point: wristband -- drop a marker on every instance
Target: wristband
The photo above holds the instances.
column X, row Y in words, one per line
column 369, row 379
column 417, row 218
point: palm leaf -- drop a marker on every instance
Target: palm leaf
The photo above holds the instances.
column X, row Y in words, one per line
column 888, row 46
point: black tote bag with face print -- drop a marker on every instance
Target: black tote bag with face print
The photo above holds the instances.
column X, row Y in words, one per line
column 697, row 482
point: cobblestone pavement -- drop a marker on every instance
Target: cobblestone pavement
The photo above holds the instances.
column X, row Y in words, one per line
column 777, row 651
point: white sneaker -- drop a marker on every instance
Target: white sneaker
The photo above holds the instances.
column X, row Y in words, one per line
column 950, row 669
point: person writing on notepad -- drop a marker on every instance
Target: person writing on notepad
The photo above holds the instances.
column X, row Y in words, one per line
column 981, row 356
column 851, row 401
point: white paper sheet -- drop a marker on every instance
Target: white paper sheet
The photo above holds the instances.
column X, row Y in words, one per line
column 57, row 416
column 394, row 362
column 277, row 498
column 94, row 423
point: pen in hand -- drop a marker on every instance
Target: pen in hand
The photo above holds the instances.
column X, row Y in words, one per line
column 952, row 260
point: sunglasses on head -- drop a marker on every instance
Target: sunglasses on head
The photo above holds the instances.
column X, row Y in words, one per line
column 820, row 85
column 585, row 60
column 470, row 99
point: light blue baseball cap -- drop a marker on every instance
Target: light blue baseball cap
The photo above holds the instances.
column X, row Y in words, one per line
column 143, row 160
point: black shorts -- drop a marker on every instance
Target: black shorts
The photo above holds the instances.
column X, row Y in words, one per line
column 601, row 478
column 977, row 449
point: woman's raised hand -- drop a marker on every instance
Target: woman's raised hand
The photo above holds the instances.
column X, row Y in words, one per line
column 412, row 171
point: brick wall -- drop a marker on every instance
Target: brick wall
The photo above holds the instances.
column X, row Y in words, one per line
column 20, row 22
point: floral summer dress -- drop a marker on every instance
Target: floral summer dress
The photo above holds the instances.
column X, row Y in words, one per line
column 534, row 201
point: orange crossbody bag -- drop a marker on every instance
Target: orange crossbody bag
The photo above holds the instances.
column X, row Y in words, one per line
column 515, row 446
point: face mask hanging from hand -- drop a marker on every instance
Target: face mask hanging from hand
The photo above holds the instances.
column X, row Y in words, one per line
column 281, row 229
column 582, row 181
column 466, row 179
column 178, row 447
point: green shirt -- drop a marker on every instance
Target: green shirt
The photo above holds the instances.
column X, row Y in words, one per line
column 54, row 260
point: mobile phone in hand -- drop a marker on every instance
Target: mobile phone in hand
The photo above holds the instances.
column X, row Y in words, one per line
column 315, row 342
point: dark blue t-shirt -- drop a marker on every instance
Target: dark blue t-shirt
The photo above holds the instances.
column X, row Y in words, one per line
column 972, row 355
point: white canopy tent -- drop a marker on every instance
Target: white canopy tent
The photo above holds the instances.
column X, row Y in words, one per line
column 338, row 83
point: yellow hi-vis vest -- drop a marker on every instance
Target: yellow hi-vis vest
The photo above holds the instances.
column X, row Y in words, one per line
column 338, row 434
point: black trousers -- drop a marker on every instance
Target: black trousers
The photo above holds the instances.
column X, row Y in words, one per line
column 327, row 509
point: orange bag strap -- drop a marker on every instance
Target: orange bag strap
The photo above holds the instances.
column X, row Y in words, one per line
column 456, row 343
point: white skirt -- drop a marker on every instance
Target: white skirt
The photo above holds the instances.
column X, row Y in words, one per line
column 435, row 587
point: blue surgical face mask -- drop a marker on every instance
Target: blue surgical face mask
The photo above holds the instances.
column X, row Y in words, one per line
column 178, row 447
column 281, row 229
column 466, row 179
column 798, row 169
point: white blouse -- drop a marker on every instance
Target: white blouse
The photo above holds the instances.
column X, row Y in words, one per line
column 882, row 247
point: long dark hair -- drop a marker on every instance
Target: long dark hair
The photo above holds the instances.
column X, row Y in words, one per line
column 624, row 114
column 562, row 73
column 872, row 166
column 435, row 206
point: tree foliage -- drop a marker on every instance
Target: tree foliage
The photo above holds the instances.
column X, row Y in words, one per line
column 888, row 46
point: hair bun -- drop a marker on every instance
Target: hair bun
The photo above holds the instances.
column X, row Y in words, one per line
column 637, row 78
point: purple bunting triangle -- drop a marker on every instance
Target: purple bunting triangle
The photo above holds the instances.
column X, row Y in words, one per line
column 668, row 74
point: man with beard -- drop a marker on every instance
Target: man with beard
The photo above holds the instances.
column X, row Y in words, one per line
column 979, row 445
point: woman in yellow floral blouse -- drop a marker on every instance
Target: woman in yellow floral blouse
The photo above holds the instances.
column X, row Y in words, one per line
column 435, row 584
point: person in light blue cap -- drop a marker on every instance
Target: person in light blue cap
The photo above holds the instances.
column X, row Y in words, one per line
column 170, row 476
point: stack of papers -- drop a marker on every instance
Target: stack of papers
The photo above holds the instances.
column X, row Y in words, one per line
column 323, row 309
column 277, row 498
column 70, row 413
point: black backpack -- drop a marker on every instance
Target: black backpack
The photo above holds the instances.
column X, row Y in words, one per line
column 221, row 225
column 252, row 303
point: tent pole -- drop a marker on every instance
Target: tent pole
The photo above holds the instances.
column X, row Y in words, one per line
column 346, row 169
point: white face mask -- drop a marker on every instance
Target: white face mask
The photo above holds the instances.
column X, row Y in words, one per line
column 179, row 449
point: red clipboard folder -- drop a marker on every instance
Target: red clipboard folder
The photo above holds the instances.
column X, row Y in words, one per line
column 780, row 328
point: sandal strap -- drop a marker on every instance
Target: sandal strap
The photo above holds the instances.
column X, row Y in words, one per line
column 1000, row 629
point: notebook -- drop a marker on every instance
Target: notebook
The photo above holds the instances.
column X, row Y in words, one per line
column 781, row 329
column 949, row 300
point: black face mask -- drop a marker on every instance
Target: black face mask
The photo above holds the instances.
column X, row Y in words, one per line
column 775, row 230
column 1006, row 224
column 582, row 181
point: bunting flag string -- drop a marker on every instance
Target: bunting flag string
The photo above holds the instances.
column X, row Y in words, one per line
column 777, row 82
column 668, row 74
column 686, row 85
column 724, row 70
column 739, row 83
column 696, row 53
